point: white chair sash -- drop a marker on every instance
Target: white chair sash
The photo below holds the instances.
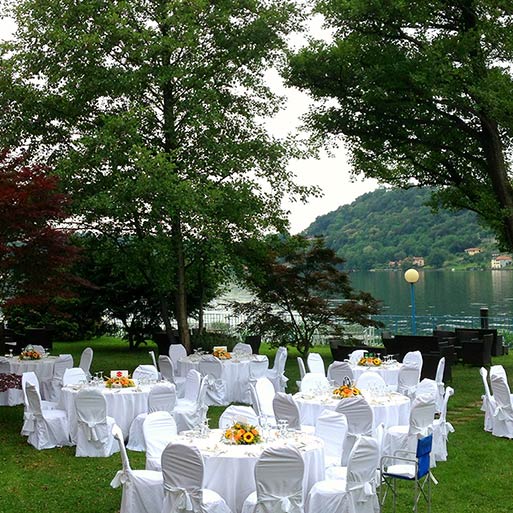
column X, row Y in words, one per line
column 361, row 492
column 182, row 499
column 280, row 504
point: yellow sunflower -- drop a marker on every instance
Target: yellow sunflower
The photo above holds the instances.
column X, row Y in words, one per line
column 248, row 437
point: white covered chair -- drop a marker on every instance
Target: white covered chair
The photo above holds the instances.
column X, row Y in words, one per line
column 360, row 421
column 45, row 428
column 356, row 493
column 31, row 377
column 439, row 379
column 265, row 394
column 503, row 414
column 498, row 370
column 74, row 376
column 286, row 409
column 408, row 378
column 404, row 438
column 51, row 390
column 315, row 363
column 242, row 348
column 167, row 372
column 238, row 413
column 182, row 468
column 370, row 381
column 331, row 427
column 159, row 428
column 428, row 387
column 190, row 413
column 257, row 369
column 441, row 429
column 314, row 383
column 146, row 372
column 279, row 482
column 211, row 368
column 355, row 356
column 177, row 351
column 302, row 370
column 337, row 371
column 143, row 490
column 489, row 405
column 413, row 358
column 277, row 373
column 153, row 359
column 94, row 427
column 162, row 397
column 86, row 358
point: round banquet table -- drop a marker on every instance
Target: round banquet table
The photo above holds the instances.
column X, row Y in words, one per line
column 230, row 469
column 235, row 374
column 391, row 409
column 43, row 368
column 124, row 404
column 389, row 373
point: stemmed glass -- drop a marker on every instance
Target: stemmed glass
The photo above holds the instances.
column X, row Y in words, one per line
column 10, row 353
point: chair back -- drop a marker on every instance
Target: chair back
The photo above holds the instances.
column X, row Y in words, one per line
column 449, row 391
column 5, row 368
column 265, row 393
column 331, row 427
column 301, row 365
column 424, row 446
column 162, row 397
column 40, row 349
column 33, row 399
column 86, row 359
column 285, row 408
column 355, row 356
column 337, row 371
column 314, row 382
column 315, row 363
column 153, row 359
column 211, row 366
column 498, row 370
column 280, row 360
column 422, row 415
column 148, row 372
column 167, row 370
column 407, row 379
column 91, row 410
column 242, row 348
column 159, row 428
column 236, row 413
column 192, row 385
column 361, row 468
column 255, row 402
column 63, row 362
column 258, row 368
column 440, row 368
column 427, row 387
column 29, row 378
column 279, row 480
column 501, row 392
column 413, row 358
column 118, row 435
column 359, row 415
column 369, row 380
column 484, row 378
column 73, row 376
column 176, row 351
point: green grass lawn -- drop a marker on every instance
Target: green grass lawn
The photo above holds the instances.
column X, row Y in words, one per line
column 476, row 478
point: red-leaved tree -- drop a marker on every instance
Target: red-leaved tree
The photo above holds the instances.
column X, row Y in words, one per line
column 35, row 254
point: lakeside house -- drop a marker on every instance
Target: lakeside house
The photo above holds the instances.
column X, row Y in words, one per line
column 501, row 261
column 473, row 251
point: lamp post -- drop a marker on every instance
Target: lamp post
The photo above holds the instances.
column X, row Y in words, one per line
column 412, row 277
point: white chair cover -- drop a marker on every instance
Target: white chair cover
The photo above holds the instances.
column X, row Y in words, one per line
column 498, row 370
column 94, row 427
column 86, row 358
column 285, row 408
column 279, row 482
column 277, row 373
column 238, row 413
column 427, row 387
column 331, row 426
column 182, row 468
column 503, row 414
column 176, row 351
column 257, row 369
column 28, row 416
column 45, row 428
column 408, row 378
column 147, row 372
column 242, row 348
column 159, row 428
column 211, row 368
column 337, row 371
column 370, row 381
column 489, row 404
column 255, row 402
column 314, row 383
column 315, row 363
column 355, row 356
column 265, row 392
column 162, row 397
column 73, row 376
column 302, row 370
column 153, row 359
column 413, row 358
column 143, row 490
column 51, row 390
column 5, row 368
column 190, row 414
column 439, row 378
column 167, row 371
column 356, row 493
column 192, row 385
column 441, row 430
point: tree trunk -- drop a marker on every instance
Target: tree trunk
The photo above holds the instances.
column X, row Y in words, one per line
column 164, row 310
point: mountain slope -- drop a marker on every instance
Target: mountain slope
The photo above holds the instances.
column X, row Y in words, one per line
column 394, row 224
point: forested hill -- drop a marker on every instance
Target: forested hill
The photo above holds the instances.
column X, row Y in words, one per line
column 395, row 225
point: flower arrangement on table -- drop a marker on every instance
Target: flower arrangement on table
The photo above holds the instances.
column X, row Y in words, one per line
column 119, row 382
column 370, row 361
column 242, row 434
column 345, row 391
column 222, row 354
column 30, row 354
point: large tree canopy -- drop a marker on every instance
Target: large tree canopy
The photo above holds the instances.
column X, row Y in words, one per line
column 151, row 111
column 423, row 94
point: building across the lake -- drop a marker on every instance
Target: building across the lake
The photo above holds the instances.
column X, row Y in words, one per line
column 501, row 261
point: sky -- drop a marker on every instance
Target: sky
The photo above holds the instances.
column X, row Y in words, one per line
column 331, row 173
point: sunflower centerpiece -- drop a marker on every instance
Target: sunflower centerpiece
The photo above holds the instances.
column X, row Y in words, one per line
column 222, row 353
column 370, row 360
column 29, row 353
column 242, row 434
column 347, row 389
column 119, row 382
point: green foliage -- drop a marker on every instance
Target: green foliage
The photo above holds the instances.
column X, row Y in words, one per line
column 207, row 340
column 391, row 224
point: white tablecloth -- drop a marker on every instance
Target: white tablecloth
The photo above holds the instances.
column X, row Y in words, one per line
column 124, row 404
column 388, row 373
column 230, row 469
column 392, row 409
column 235, row 374
column 43, row 368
